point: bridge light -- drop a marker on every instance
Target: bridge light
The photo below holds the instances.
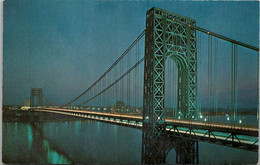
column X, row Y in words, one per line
column 201, row 116
column 205, row 119
column 227, row 118
column 179, row 117
column 208, row 32
column 159, row 118
column 147, row 117
column 192, row 116
column 240, row 121
column 189, row 25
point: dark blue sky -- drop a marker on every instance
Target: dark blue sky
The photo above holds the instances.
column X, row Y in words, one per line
column 63, row 46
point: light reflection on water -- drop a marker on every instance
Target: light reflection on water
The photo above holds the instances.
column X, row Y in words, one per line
column 24, row 143
column 77, row 128
column 30, row 137
column 53, row 157
column 84, row 141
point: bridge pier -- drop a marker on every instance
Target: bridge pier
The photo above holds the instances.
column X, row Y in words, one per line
column 187, row 151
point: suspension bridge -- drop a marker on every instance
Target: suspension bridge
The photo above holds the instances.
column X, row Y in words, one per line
column 172, row 92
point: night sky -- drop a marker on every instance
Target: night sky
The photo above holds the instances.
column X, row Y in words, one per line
column 63, row 46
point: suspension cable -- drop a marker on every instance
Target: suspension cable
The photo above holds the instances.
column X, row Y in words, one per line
column 219, row 36
column 109, row 69
column 40, row 101
column 126, row 73
column 47, row 100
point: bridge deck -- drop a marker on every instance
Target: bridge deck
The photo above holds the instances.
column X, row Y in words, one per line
column 234, row 136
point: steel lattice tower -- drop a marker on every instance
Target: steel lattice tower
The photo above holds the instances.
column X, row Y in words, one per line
column 166, row 37
column 36, row 92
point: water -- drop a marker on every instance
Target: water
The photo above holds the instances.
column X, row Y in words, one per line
column 85, row 141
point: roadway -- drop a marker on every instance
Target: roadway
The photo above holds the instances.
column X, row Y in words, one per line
column 193, row 123
column 234, row 136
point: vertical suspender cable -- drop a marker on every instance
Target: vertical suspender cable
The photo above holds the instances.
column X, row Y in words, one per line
column 96, row 91
column 116, row 86
column 199, row 78
column 105, row 94
column 122, row 81
column 257, row 82
column 235, row 81
column 174, row 91
column 100, row 97
column 138, row 77
column 213, row 67
column 171, row 84
column 128, row 80
column 109, row 96
column 213, row 76
column 216, row 78
column 101, row 87
column 232, row 82
column 135, row 78
column 209, row 72
column 171, row 93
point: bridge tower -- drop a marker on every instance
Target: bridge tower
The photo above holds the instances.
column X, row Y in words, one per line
column 167, row 37
column 36, row 92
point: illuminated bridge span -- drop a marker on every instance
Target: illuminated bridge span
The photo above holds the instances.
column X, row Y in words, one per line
column 235, row 136
column 179, row 78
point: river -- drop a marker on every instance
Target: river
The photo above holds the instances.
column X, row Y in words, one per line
column 85, row 141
